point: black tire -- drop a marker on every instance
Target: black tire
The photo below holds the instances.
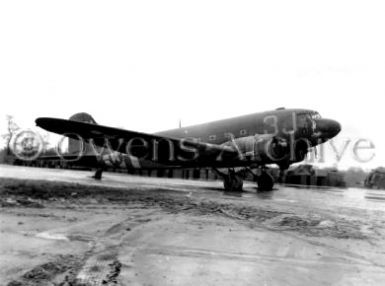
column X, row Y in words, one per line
column 98, row 174
column 233, row 184
column 265, row 182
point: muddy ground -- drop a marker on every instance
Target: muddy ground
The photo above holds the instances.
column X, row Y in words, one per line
column 62, row 233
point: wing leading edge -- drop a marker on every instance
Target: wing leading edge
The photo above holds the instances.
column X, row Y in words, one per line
column 155, row 148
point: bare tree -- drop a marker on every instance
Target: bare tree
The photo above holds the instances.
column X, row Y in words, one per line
column 12, row 128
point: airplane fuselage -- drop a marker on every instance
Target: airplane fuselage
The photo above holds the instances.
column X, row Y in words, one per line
column 280, row 122
column 302, row 128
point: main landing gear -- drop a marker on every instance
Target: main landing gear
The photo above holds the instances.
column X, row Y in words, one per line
column 264, row 180
column 233, row 181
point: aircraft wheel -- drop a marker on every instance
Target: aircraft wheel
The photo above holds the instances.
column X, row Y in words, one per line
column 98, row 174
column 265, row 182
column 233, row 184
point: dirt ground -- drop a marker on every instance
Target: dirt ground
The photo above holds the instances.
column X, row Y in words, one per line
column 62, row 228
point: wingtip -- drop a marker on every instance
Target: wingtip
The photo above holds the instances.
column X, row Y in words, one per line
column 39, row 121
column 44, row 121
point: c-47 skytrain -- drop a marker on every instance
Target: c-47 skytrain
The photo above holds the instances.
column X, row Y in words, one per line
column 232, row 147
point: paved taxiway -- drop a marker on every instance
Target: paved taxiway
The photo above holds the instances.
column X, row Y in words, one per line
column 153, row 231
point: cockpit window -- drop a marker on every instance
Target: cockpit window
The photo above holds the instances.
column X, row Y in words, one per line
column 315, row 115
column 307, row 120
column 313, row 118
column 307, row 115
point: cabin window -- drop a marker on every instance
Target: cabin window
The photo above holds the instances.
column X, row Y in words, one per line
column 212, row 137
column 243, row 132
column 196, row 139
column 193, row 139
column 228, row 135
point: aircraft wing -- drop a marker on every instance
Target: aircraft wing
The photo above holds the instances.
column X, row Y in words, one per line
column 85, row 160
column 160, row 149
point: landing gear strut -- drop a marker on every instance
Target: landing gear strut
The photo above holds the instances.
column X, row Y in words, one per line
column 282, row 173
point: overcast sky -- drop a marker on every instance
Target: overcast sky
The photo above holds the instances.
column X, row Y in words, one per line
column 143, row 65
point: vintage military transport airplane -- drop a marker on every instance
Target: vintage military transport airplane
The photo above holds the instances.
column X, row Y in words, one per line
column 235, row 145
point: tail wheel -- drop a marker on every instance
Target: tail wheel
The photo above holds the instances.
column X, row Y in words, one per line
column 98, row 174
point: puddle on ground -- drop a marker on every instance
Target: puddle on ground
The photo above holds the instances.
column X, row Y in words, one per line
column 52, row 236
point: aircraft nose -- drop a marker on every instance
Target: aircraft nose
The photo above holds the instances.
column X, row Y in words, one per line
column 328, row 128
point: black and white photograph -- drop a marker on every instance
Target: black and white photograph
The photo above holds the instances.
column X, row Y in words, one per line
column 192, row 143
